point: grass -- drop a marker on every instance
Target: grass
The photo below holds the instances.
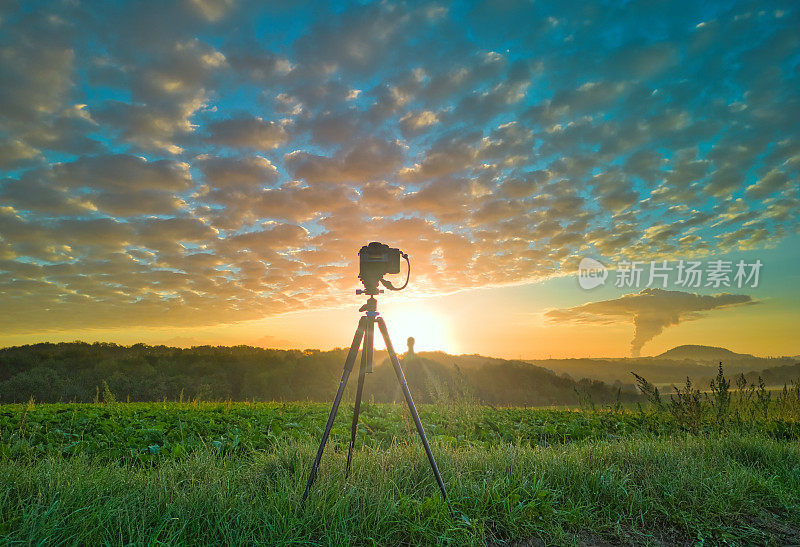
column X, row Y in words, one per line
column 152, row 432
column 680, row 488
column 717, row 467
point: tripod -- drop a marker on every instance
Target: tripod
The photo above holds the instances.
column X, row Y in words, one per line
column 365, row 331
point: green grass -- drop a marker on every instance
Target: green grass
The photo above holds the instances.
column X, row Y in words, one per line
column 633, row 490
column 148, row 432
column 233, row 473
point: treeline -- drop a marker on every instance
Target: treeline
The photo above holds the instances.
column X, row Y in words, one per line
column 81, row 372
column 776, row 376
column 663, row 371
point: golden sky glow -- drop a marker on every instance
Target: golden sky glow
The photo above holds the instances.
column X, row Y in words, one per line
column 205, row 172
column 505, row 322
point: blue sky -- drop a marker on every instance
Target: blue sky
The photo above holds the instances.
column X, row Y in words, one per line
column 207, row 162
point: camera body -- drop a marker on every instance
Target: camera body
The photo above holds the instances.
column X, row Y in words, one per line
column 376, row 260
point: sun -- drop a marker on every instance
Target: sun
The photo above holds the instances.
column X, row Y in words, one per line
column 430, row 329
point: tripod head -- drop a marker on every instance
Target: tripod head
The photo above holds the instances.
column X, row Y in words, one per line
column 371, row 307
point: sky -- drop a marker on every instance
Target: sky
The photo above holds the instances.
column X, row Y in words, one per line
column 205, row 171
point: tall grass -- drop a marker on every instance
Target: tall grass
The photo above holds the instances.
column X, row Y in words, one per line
column 635, row 490
column 745, row 408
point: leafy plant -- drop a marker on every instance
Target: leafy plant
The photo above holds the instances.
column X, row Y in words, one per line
column 649, row 390
column 108, row 397
column 721, row 399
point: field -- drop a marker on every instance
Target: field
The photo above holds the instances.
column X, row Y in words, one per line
column 233, row 473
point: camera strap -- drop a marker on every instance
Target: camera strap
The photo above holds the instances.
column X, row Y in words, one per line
column 388, row 284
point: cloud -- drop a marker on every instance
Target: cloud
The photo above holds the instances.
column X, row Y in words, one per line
column 150, row 127
column 137, row 202
column 122, row 171
column 259, row 65
column 642, row 60
column 773, row 181
column 357, row 40
column 614, row 192
column 35, row 191
column 652, row 310
column 212, row 10
column 247, row 132
column 333, row 129
column 68, row 130
column 180, row 75
column 414, row 123
column 166, row 92
column 363, row 161
column 36, row 67
column 239, row 172
column 448, row 155
column 274, row 236
column 16, row 153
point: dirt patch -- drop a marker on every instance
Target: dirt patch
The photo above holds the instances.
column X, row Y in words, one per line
column 785, row 533
column 592, row 539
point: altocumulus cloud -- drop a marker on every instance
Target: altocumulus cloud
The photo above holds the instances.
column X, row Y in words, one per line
column 652, row 310
column 179, row 163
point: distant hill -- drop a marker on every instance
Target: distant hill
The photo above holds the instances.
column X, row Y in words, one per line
column 702, row 354
column 509, row 382
column 674, row 366
column 82, row 372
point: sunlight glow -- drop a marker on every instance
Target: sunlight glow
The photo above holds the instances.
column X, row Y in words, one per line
column 431, row 330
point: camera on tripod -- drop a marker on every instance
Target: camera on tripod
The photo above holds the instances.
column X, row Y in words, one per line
column 376, row 260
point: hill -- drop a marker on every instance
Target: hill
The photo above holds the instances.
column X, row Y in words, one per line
column 702, row 353
column 85, row 372
column 440, row 377
column 673, row 366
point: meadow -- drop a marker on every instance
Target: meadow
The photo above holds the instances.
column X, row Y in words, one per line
column 696, row 467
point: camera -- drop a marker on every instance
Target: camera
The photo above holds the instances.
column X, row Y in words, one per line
column 376, row 260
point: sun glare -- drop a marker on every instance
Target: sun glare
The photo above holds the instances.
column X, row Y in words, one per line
column 430, row 329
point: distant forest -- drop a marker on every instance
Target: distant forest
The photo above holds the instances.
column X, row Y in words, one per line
column 81, row 372
column 660, row 370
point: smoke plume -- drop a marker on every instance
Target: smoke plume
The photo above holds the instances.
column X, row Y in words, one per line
column 652, row 310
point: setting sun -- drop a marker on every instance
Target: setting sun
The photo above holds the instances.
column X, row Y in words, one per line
column 431, row 329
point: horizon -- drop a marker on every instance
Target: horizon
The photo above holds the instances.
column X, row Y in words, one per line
column 569, row 181
column 401, row 351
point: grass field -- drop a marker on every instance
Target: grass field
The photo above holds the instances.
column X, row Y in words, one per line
column 233, row 473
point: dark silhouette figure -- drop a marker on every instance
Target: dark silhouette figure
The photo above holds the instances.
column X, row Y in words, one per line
column 410, row 343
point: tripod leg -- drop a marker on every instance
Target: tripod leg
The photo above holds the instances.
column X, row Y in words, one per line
column 402, row 379
column 366, row 362
column 348, row 367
